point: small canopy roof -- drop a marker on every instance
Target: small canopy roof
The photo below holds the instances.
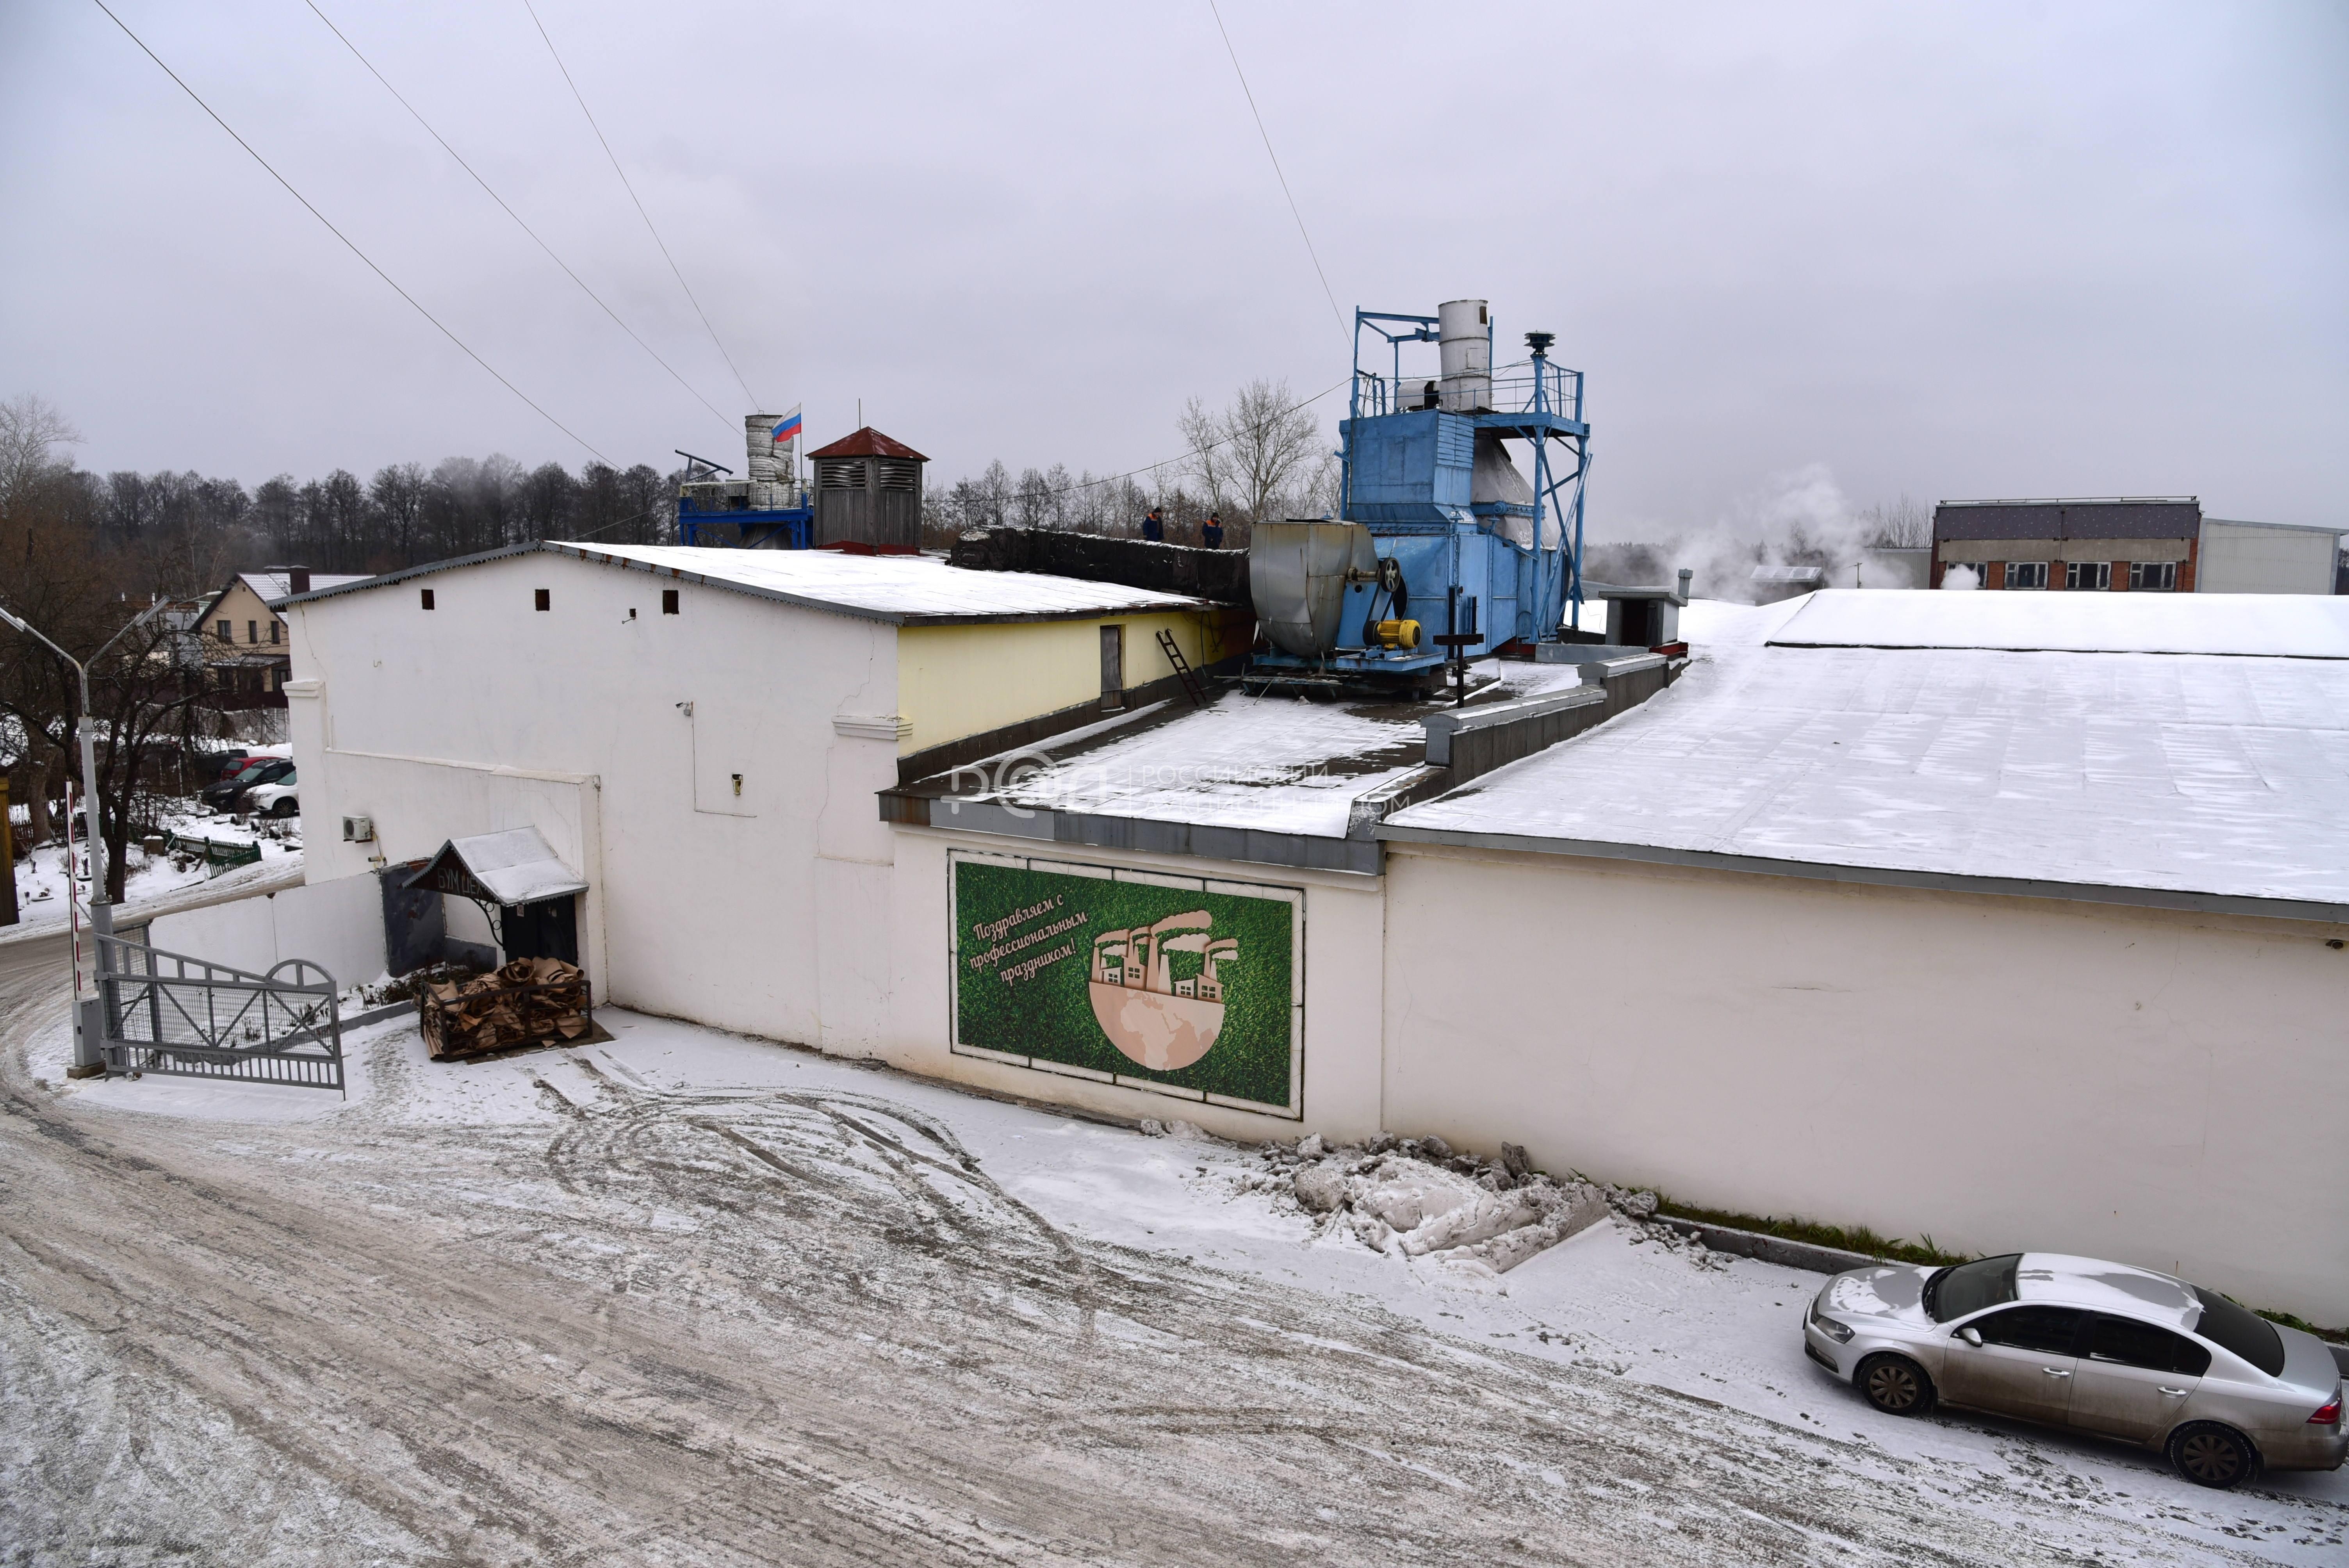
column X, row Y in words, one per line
column 515, row 867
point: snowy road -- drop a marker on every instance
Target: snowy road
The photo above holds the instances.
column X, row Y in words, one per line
column 590, row 1309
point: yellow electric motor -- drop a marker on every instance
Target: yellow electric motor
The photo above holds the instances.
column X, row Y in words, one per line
column 1403, row 634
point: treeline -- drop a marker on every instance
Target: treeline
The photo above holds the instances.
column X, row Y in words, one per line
column 403, row 516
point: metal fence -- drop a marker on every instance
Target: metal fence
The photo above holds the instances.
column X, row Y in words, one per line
column 167, row 1013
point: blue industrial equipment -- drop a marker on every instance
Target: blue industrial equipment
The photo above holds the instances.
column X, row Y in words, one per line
column 768, row 511
column 1445, row 553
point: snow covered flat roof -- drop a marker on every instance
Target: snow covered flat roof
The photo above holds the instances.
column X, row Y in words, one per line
column 2190, row 774
column 902, row 590
column 1270, row 764
column 2286, row 625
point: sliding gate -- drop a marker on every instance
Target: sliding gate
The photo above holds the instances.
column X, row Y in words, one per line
column 167, row 1013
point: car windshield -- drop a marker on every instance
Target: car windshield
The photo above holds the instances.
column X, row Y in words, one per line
column 2237, row 1328
column 1969, row 1288
column 252, row 770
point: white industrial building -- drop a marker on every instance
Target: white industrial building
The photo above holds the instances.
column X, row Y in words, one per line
column 2017, row 921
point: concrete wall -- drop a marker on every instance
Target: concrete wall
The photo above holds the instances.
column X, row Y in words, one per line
column 741, row 910
column 2245, row 557
column 2158, row 1088
column 1344, row 924
column 965, row 680
column 337, row 925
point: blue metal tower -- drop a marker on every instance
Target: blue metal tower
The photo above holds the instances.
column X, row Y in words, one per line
column 1445, row 552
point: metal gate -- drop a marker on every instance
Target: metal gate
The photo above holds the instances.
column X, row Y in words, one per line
column 167, row 1013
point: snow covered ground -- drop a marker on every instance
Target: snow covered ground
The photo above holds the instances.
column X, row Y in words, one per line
column 41, row 876
column 675, row 1162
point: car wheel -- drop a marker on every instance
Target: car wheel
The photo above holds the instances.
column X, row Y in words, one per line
column 1895, row 1385
column 2210, row 1455
column 288, row 807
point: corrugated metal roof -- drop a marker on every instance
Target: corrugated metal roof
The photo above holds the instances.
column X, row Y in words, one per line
column 899, row 590
column 867, row 442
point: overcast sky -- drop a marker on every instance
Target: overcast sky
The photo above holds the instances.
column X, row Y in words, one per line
column 1965, row 251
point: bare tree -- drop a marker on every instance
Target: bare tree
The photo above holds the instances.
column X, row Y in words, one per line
column 1905, row 524
column 1262, row 451
column 31, row 432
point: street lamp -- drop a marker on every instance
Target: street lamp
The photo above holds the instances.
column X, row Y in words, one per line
column 90, row 751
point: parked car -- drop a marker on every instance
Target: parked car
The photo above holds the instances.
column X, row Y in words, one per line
column 2098, row 1347
column 224, row 795
column 277, row 799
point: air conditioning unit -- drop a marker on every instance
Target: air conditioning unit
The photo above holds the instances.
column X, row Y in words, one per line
column 358, row 830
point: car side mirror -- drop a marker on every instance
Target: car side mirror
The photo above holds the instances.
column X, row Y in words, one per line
column 1971, row 1335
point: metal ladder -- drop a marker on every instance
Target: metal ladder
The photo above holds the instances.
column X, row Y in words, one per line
column 1183, row 670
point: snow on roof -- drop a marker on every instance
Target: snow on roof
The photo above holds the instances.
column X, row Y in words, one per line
column 902, row 590
column 2186, row 774
column 517, row 866
column 2294, row 625
column 906, row 589
column 1275, row 764
column 272, row 585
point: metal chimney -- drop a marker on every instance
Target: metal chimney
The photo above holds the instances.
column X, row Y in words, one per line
column 1464, row 339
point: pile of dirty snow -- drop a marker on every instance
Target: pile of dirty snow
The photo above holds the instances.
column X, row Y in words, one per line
column 1418, row 1197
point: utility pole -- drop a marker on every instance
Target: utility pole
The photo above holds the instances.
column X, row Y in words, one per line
column 101, row 913
column 7, row 859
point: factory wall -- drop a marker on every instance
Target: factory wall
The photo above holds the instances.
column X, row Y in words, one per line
column 965, row 680
column 2245, row 557
column 619, row 736
column 1344, row 926
column 2156, row 1088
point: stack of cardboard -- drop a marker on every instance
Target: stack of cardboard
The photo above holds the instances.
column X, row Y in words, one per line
column 528, row 1001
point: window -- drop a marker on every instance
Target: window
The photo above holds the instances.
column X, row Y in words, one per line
column 668, row 601
column 544, row 600
column 2154, row 576
column 2087, row 574
column 2049, row 1330
column 227, row 632
column 274, row 627
column 2125, row 1342
column 2240, row 1330
column 426, row 592
column 2026, row 575
column 251, row 632
column 1970, row 1287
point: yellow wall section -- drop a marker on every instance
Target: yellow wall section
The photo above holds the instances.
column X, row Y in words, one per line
column 954, row 681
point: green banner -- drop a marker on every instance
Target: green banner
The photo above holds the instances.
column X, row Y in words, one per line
column 1189, row 986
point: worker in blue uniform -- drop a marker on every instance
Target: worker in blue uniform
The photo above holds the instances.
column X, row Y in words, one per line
column 1153, row 528
column 1211, row 532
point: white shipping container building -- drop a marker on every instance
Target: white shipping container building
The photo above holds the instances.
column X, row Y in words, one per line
column 1941, row 913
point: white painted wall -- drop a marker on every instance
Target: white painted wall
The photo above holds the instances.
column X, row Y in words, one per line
column 337, row 925
column 2245, row 557
column 2158, row 1088
column 1344, row 920
column 484, row 714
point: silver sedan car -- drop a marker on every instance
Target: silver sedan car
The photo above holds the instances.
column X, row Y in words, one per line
column 2098, row 1347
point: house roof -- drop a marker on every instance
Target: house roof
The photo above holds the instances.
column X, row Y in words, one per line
column 899, row 590
column 2186, row 780
column 867, row 442
column 271, row 586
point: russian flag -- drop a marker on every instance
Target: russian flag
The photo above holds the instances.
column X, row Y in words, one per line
column 787, row 429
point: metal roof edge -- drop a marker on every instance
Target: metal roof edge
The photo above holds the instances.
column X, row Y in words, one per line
column 2280, row 527
column 1881, row 876
column 405, row 573
column 2086, row 653
column 1144, row 835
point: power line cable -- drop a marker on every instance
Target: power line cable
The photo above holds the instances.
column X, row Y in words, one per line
column 346, row 238
column 510, row 212
column 648, row 217
column 1336, row 315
